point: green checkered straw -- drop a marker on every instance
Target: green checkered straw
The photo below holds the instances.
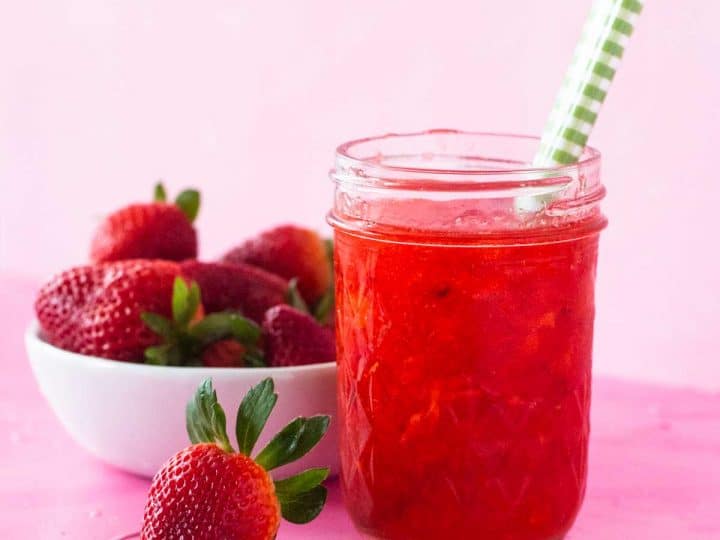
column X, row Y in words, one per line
column 586, row 83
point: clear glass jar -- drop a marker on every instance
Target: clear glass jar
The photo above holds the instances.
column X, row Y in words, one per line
column 465, row 306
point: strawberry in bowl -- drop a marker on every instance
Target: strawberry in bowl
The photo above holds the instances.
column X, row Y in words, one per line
column 237, row 287
column 155, row 230
column 95, row 309
column 291, row 252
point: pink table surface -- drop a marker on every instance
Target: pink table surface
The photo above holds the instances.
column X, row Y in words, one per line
column 654, row 462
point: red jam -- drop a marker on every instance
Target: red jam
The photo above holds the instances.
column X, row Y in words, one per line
column 464, row 381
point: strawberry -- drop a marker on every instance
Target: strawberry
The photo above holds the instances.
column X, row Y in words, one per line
column 157, row 230
column 209, row 491
column 224, row 353
column 291, row 252
column 294, row 338
column 95, row 310
column 240, row 287
column 216, row 340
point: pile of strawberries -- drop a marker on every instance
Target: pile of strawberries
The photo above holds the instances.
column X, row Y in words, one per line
column 146, row 298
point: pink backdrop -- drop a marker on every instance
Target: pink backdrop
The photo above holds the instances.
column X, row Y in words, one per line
column 248, row 99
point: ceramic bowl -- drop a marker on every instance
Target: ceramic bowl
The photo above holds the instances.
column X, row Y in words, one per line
column 132, row 416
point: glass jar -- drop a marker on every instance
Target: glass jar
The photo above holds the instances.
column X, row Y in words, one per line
column 465, row 305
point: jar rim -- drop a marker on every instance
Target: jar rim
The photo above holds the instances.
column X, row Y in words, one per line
column 372, row 170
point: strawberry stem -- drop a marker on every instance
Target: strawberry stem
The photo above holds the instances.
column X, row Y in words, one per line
column 160, row 195
column 185, row 339
column 301, row 496
column 188, row 201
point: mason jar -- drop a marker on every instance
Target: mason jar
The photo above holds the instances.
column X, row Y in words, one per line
column 465, row 304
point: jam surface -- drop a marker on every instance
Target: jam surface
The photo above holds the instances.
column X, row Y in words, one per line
column 464, row 384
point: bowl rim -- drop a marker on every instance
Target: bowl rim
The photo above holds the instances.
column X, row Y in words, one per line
column 32, row 335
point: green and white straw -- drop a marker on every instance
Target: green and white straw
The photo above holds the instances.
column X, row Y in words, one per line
column 597, row 56
column 586, row 84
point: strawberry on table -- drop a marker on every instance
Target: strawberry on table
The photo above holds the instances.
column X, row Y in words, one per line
column 291, row 252
column 209, row 491
column 241, row 287
column 293, row 338
column 157, row 230
column 95, row 310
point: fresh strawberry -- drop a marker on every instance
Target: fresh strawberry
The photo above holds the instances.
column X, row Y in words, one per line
column 95, row 310
column 204, row 492
column 294, row 338
column 241, row 287
column 291, row 252
column 211, row 492
column 224, row 353
column 223, row 339
column 157, row 230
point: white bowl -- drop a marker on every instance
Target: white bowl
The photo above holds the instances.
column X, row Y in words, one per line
column 133, row 415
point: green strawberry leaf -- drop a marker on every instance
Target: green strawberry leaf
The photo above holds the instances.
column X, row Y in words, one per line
column 294, row 298
column 189, row 202
column 325, row 306
column 185, row 340
column 226, row 324
column 155, row 355
column 254, row 358
column 315, row 428
column 205, row 418
column 245, row 330
column 159, row 324
column 194, row 300
column 212, row 327
column 163, row 355
column 293, row 442
column 304, row 481
column 160, row 194
column 180, row 300
column 253, row 413
column 303, row 507
column 185, row 301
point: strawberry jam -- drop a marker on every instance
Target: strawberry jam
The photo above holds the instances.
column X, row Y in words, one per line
column 464, row 360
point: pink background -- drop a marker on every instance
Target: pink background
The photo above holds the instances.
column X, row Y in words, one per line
column 247, row 100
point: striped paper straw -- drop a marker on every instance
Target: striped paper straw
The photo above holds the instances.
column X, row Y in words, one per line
column 587, row 81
